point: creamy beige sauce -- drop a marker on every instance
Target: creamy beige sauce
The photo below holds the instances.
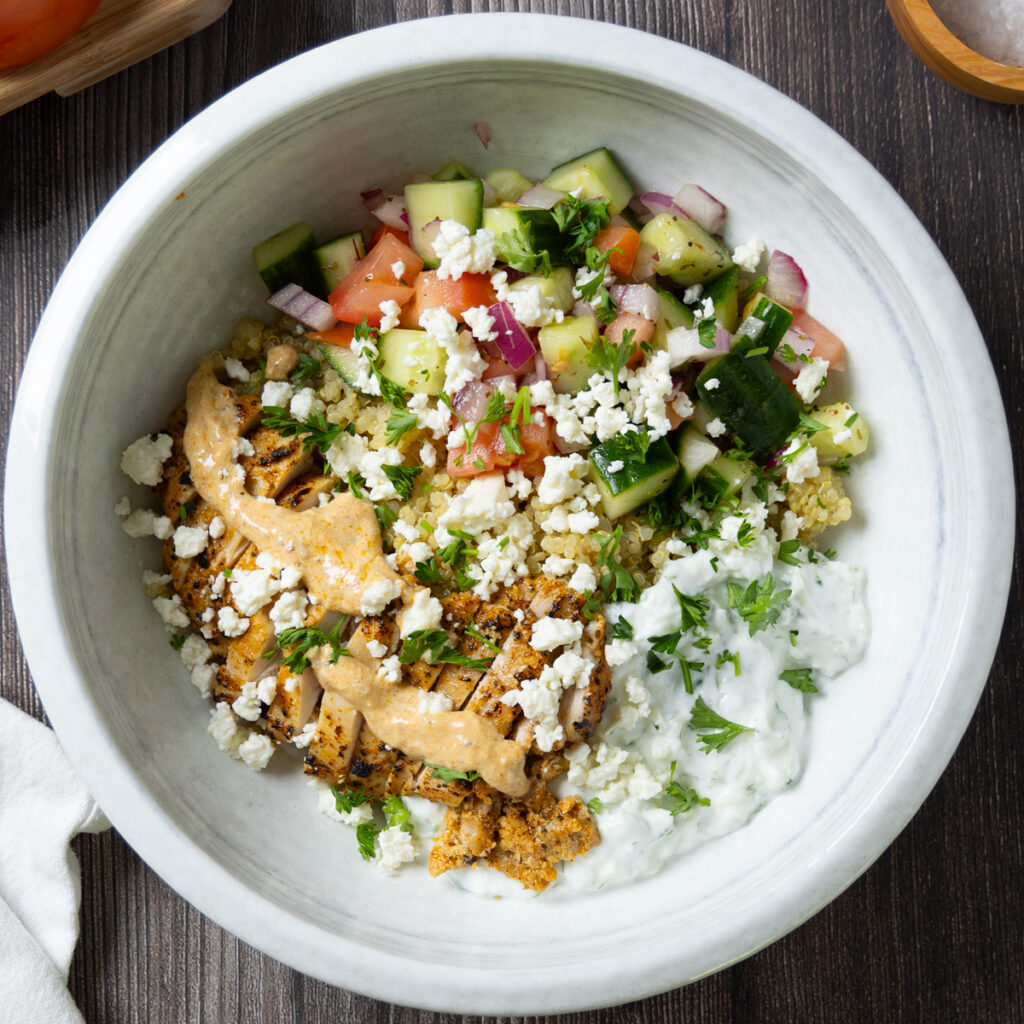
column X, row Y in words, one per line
column 337, row 550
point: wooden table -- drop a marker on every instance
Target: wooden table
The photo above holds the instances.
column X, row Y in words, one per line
column 934, row 931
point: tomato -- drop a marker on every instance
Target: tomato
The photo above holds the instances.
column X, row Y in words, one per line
column 372, row 281
column 30, row 28
column 387, row 229
column 431, row 291
column 623, row 238
column 826, row 344
column 642, row 328
column 341, row 335
column 489, row 453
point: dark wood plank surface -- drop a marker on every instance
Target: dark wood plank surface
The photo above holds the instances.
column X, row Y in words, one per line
column 931, row 932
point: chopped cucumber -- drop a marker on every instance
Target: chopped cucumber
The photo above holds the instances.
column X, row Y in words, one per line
column 627, row 481
column 695, row 451
column 413, row 360
column 840, row 421
column 557, row 287
column 342, row 360
column 775, row 317
column 724, row 292
column 337, row 258
column 454, row 170
column 687, row 254
column 508, row 183
column 672, row 314
column 566, row 347
column 597, row 175
column 427, row 201
column 287, row 258
column 723, row 477
column 538, row 227
column 750, row 399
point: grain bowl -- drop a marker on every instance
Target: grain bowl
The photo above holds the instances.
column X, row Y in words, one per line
column 165, row 275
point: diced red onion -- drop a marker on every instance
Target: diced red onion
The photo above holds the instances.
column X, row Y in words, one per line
column 658, row 202
column 483, row 133
column 702, row 207
column 684, row 345
column 373, row 197
column 513, row 342
column 786, row 282
column 801, row 346
column 646, row 263
column 639, row 210
column 637, row 298
column 300, row 305
column 541, row 197
column 391, row 211
column 429, row 233
column 470, row 401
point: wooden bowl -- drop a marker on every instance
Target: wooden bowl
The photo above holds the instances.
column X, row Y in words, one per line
column 952, row 60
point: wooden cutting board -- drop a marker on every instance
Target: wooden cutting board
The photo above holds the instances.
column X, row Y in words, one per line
column 120, row 33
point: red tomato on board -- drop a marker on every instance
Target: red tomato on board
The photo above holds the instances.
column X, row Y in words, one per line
column 30, row 28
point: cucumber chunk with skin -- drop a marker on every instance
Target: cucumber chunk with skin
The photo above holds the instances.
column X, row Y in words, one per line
column 724, row 292
column 556, row 286
column 288, row 258
column 627, row 481
column 566, row 348
column 508, row 183
column 538, row 227
column 671, row 314
column 596, row 175
column 454, row 170
column 427, row 201
column 841, row 422
column 687, row 254
column 337, row 257
column 342, row 360
column 777, row 319
column 413, row 360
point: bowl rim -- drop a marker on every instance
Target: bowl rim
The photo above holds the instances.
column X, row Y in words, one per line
column 84, row 734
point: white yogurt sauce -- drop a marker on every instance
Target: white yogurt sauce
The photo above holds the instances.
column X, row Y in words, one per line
column 823, row 627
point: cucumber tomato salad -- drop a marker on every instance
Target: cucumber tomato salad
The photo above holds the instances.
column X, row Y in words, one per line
column 582, row 381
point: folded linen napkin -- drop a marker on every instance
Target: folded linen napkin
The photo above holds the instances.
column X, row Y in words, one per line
column 42, row 805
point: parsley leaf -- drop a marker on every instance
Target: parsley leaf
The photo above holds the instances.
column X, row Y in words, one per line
column 472, row 630
column 517, row 249
column 595, row 805
column 429, row 571
column 308, row 366
column 397, row 813
column 347, row 800
column 787, row 552
column 451, row 774
column 186, row 509
column 611, row 358
column 436, row 642
column 759, row 605
column 727, row 656
column 799, row 679
column 692, row 610
column 512, row 438
column 617, row 584
column 399, row 423
column 402, row 478
column 385, row 514
column 686, row 797
column 315, row 431
column 302, row 640
column 177, row 641
column 366, row 833
column 706, row 331
column 724, row 732
column 622, row 630
column 581, row 220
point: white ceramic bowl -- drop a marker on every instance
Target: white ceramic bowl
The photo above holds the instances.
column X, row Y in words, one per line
column 164, row 274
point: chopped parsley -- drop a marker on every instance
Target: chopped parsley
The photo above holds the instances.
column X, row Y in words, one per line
column 186, row 509
column 397, row 814
column 759, row 604
column 518, row 249
column 706, row 331
column 402, row 478
column 715, row 732
column 301, row 640
column 436, row 642
column 622, row 630
column 308, row 366
column 799, row 679
column 316, row 431
column 595, row 805
column 472, row 630
column 177, row 641
column 347, row 800
column 685, row 797
column 366, row 834
column 399, row 423
column 581, row 220
column 725, row 657
column 616, row 583
column 611, row 358
column 450, row 774
column 787, row 552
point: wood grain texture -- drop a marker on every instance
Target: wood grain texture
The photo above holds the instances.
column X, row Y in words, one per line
column 932, row 931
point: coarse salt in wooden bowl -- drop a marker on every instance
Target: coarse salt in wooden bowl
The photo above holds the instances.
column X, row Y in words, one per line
column 950, row 58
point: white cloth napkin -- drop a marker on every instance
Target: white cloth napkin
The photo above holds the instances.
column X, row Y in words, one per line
column 42, row 805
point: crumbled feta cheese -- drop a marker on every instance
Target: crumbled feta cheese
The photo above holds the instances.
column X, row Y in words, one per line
column 394, row 848
column 583, row 579
column 304, row 403
column 390, row 669
column 225, row 729
column 241, row 447
column 346, row 453
column 328, row 806
column 428, row 455
column 616, row 466
column 790, row 525
column 203, row 677
column 618, row 652
column 840, row 436
column 378, row 595
column 480, row 322
column 123, row 507
column 434, row 419
column 710, row 385
column 230, row 623
column 432, row 702
column 143, row 460
column 811, row 379
column 707, row 310
column 190, row 541
column 530, row 306
column 379, row 486
column 582, row 522
column 407, row 531
column 564, row 476
column 247, row 704
column 549, row 634
column 539, row 698
column 462, row 253
column 171, row 610
column 155, row 580
column 304, row 737
column 277, row 393
column 141, row 523
column 235, row 370
column 397, row 271
column 693, row 293
column 194, row 651
column 217, row 528
column 256, row 751
column 485, row 503
column 423, row 613
column 556, row 565
column 801, row 458
column 375, row 649
column 390, row 311
column 716, row 428
column 463, row 359
column 748, row 255
column 289, row 611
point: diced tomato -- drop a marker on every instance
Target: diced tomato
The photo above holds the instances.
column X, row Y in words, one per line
column 372, row 281
column 623, row 238
column 388, row 251
column 341, row 335
column 826, row 344
column 431, row 291
column 642, row 328
column 387, row 229
column 498, row 367
column 489, row 453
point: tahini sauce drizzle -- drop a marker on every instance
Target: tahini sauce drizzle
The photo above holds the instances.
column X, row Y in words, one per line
column 337, row 550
